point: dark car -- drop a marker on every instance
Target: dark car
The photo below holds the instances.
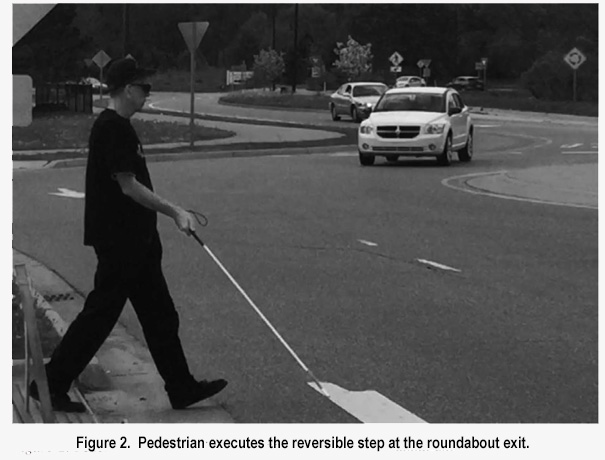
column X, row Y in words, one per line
column 466, row 84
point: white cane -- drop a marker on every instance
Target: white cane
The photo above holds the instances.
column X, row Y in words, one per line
column 253, row 305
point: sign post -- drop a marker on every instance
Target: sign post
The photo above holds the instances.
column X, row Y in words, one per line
column 192, row 32
column 423, row 65
column 396, row 59
column 101, row 59
column 484, row 62
column 575, row 58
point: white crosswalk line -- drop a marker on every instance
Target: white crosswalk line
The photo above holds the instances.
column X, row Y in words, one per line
column 367, row 406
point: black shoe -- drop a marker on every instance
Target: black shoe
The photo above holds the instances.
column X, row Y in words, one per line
column 195, row 392
column 59, row 402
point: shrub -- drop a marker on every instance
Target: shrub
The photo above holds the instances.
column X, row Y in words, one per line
column 550, row 78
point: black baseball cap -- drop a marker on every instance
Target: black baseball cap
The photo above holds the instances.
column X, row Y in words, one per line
column 123, row 71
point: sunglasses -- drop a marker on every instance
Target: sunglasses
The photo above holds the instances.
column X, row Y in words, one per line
column 145, row 87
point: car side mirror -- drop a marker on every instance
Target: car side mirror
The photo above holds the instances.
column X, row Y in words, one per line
column 454, row 111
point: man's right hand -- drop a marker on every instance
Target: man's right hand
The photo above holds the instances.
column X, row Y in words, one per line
column 184, row 221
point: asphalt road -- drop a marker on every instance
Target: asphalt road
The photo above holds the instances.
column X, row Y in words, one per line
column 331, row 251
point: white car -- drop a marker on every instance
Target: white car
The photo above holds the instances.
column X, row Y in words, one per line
column 417, row 122
column 405, row 82
column 355, row 99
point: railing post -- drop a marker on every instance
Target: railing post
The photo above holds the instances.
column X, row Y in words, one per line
column 34, row 345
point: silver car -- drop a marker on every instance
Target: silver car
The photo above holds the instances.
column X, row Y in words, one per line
column 356, row 99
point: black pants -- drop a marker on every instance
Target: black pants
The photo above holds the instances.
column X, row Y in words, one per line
column 133, row 273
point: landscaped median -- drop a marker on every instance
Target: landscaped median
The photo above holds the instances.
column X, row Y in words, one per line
column 67, row 130
column 64, row 136
column 504, row 99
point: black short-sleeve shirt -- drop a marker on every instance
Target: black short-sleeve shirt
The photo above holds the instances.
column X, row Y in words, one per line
column 110, row 217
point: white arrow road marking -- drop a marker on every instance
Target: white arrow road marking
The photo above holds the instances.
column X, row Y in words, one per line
column 487, row 126
column 66, row 193
column 437, row 265
column 367, row 243
column 367, row 406
column 571, row 146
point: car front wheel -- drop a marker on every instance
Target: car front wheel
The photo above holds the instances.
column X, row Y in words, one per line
column 466, row 154
column 445, row 159
column 355, row 115
column 335, row 116
column 366, row 159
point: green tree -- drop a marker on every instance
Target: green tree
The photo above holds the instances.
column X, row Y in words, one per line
column 354, row 59
column 53, row 51
column 268, row 66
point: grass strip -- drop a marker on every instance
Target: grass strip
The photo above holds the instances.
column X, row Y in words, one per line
column 485, row 99
column 68, row 130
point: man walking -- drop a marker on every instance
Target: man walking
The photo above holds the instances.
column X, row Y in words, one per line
column 120, row 220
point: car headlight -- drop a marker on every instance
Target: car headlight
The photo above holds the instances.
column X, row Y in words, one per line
column 436, row 128
column 366, row 129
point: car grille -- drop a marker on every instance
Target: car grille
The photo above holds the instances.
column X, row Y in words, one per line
column 399, row 149
column 398, row 132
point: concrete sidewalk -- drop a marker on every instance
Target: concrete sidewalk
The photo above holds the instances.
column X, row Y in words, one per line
column 121, row 384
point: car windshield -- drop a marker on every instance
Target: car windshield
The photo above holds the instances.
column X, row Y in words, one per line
column 416, row 102
column 368, row 90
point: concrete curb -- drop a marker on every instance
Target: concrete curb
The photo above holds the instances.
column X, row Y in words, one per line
column 541, row 185
column 161, row 157
column 121, row 383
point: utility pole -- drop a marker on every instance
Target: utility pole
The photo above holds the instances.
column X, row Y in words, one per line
column 295, row 47
column 273, row 14
column 125, row 31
